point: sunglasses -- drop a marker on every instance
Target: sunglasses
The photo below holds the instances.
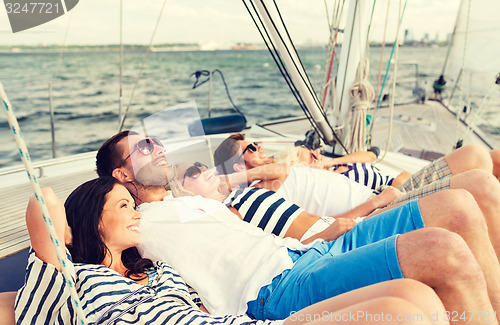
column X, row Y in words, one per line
column 252, row 147
column 194, row 171
column 145, row 146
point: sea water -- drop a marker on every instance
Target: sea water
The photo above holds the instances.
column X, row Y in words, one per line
column 85, row 90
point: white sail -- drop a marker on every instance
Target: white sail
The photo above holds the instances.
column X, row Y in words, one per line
column 476, row 46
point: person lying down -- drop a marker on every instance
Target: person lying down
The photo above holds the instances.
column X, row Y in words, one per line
column 100, row 230
column 265, row 208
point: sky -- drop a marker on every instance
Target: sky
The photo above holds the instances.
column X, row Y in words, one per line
column 219, row 21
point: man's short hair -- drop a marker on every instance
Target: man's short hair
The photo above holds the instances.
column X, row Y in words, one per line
column 109, row 156
column 224, row 155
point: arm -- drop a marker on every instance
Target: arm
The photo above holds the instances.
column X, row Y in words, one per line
column 272, row 172
column 306, row 220
column 357, row 157
column 345, row 221
column 380, row 201
column 40, row 240
column 334, row 231
column 44, row 283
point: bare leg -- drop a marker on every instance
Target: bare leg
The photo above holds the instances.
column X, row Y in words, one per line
column 469, row 157
column 459, row 161
column 442, row 260
column 400, row 179
column 483, row 186
column 495, row 157
column 414, row 292
column 457, row 211
column 370, row 312
column 486, row 191
column 402, row 296
column 7, row 307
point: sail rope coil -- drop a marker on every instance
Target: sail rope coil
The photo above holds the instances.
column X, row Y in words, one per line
column 362, row 94
column 25, row 157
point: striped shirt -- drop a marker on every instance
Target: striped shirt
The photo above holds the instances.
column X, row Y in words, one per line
column 106, row 296
column 367, row 175
column 265, row 209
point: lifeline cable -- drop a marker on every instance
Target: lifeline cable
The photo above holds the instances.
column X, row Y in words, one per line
column 25, row 157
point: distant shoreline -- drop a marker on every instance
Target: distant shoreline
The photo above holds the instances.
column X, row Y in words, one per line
column 165, row 47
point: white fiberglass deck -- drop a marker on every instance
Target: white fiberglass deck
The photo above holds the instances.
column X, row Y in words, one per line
column 15, row 191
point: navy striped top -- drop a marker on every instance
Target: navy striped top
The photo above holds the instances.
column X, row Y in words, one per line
column 265, row 209
column 366, row 174
column 106, row 296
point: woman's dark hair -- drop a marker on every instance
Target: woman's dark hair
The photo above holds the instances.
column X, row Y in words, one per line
column 83, row 211
column 108, row 156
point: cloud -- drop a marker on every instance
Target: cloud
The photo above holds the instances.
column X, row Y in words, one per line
column 191, row 21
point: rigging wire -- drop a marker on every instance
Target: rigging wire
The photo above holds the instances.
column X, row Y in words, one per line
column 120, row 92
column 279, row 62
column 327, row 15
column 462, row 83
column 332, row 51
column 367, row 42
column 396, row 43
column 300, row 68
column 377, row 98
column 142, row 66
column 478, row 113
column 51, row 83
column 59, row 60
column 302, row 72
column 277, row 59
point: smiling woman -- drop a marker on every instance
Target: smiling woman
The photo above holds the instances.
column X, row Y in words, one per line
column 118, row 286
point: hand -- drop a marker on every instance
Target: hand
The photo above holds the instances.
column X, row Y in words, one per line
column 387, row 196
column 337, row 229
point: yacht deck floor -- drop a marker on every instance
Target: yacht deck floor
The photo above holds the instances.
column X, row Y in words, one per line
column 417, row 129
column 13, row 233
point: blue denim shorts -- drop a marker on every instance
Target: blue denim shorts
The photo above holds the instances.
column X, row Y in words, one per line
column 363, row 256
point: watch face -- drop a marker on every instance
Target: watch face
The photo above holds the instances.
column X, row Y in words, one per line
column 25, row 14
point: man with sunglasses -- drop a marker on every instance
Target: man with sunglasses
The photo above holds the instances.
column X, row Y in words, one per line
column 323, row 192
column 236, row 267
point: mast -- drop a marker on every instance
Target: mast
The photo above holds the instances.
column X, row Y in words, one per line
column 270, row 18
column 353, row 50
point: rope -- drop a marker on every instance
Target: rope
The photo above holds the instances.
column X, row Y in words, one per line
column 362, row 94
column 367, row 42
column 25, row 157
column 379, row 73
column 332, row 46
column 396, row 46
column 142, row 66
column 59, row 60
column 58, row 65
